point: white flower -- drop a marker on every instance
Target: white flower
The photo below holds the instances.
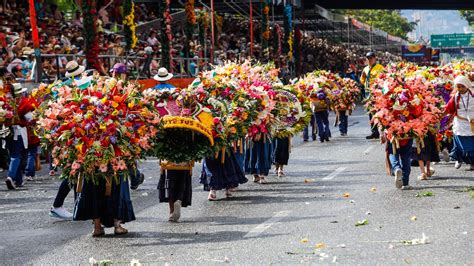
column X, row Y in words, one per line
column 135, row 262
column 92, row 261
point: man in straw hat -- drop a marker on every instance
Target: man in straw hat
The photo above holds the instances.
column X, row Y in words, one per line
column 163, row 76
column 74, row 70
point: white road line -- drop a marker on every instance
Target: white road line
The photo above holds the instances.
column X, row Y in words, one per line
column 267, row 224
column 22, row 211
column 335, row 173
column 369, row 149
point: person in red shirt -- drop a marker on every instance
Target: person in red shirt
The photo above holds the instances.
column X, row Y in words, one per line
column 19, row 141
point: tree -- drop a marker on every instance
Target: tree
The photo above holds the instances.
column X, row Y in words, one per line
column 389, row 21
column 469, row 16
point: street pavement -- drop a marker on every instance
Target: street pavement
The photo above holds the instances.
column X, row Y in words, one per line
column 309, row 216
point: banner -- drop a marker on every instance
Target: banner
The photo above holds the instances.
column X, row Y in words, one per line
column 416, row 53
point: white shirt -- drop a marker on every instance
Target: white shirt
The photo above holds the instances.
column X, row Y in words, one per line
column 152, row 41
column 462, row 127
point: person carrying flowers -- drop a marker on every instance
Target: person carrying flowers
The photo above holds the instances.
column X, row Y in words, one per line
column 120, row 71
column 400, row 153
column 178, row 145
column 369, row 74
column 320, row 105
column 461, row 109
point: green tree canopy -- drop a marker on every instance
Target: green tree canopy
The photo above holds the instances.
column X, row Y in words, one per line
column 469, row 16
column 389, row 21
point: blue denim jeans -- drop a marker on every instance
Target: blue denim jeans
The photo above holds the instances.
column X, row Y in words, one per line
column 31, row 161
column 322, row 120
column 306, row 129
column 343, row 122
column 16, row 149
column 401, row 160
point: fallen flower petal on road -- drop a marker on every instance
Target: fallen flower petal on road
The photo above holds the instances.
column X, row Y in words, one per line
column 363, row 222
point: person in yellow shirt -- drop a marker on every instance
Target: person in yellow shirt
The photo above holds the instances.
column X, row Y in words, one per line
column 369, row 74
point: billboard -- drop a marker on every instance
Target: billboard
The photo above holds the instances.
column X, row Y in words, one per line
column 416, row 53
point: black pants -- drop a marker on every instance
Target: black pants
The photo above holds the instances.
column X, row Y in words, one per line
column 63, row 191
column 373, row 128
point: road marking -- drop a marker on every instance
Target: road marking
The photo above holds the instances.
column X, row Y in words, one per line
column 369, row 149
column 335, row 173
column 267, row 224
column 22, row 211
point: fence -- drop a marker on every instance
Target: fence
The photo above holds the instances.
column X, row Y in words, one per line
column 139, row 67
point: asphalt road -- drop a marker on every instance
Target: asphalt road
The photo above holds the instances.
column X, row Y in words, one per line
column 309, row 216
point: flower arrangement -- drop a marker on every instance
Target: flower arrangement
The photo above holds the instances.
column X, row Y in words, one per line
column 404, row 107
column 219, row 91
column 188, row 128
column 129, row 24
column 6, row 109
column 345, row 96
column 166, row 34
column 97, row 132
column 292, row 111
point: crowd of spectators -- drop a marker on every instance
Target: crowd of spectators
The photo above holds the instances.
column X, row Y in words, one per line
column 61, row 38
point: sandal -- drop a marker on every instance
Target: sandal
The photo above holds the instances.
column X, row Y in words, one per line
column 281, row 173
column 422, row 177
column 256, row 178
column 98, row 233
column 212, row 195
column 430, row 173
column 262, row 180
column 227, row 193
column 119, row 230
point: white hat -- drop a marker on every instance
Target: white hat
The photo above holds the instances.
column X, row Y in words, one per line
column 148, row 50
column 74, row 69
column 463, row 80
column 17, row 89
column 163, row 75
column 28, row 51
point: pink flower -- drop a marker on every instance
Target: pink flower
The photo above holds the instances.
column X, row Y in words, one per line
column 75, row 165
column 103, row 168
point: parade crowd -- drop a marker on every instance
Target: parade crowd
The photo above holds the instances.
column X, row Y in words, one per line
column 60, row 44
column 238, row 116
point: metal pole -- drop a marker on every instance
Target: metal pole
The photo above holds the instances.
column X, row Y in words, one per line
column 212, row 32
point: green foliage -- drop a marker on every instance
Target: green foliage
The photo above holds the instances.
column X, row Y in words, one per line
column 468, row 15
column 389, row 21
column 171, row 146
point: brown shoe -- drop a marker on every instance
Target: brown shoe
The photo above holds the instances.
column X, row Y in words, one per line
column 119, row 230
column 98, row 233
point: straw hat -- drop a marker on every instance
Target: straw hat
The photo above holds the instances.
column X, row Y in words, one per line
column 163, row 75
column 18, row 89
column 73, row 69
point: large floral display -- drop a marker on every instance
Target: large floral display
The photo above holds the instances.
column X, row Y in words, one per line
column 99, row 131
column 407, row 99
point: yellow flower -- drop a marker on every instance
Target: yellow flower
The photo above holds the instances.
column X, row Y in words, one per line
column 115, row 104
